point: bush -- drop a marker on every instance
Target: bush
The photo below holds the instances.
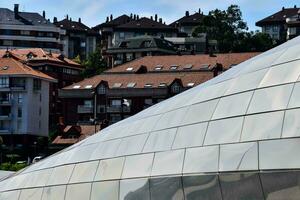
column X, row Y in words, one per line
column 12, row 167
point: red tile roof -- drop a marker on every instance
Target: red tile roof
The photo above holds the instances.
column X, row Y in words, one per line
column 13, row 67
column 197, row 61
column 39, row 55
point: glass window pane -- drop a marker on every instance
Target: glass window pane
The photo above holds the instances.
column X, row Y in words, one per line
column 134, row 189
column 169, row 162
column 224, row 131
column 190, row 136
column 281, row 185
column 11, row 195
column 110, row 169
column 241, row 186
column 279, row 154
column 291, row 127
column 206, row 109
column 107, row 190
column 236, row 157
column 78, row 191
column 166, row 188
column 84, row 172
column 281, row 74
column 233, row 105
column 160, row 140
column 54, row 193
column 138, row 166
column 201, row 187
column 292, row 53
column 194, row 158
column 246, row 82
column 268, row 99
column 81, row 153
column 171, row 119
column 262, row 126
column 60, row 175
column 32, row 194
column 132, row 145
column 294, row 102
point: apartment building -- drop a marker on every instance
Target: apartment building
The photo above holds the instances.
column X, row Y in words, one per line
column 27, row 30
column 24, row 100
column 131, row 87
column 293, row 26
column 276, row 24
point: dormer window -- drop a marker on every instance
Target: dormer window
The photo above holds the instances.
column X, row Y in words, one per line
column 123, row 44
column 146, row 43
column 148, row 85
column 101, row 89
column 188, row 66
column 205, row 66
column 173, row 67
column 162, row 85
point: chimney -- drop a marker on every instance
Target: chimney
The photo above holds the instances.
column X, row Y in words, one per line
column 160, row 20
column 70, row 18
column 295, row 6
column 282, row 8
column 107, row 19
column 54, row 19
column 134, row 16
column 199, row 10
column 131, row 16
column 187, row 13
column 16, row 11
column 67, row 17
column 44, row 14
column 151, row 18
column 111, row 17
column 137, row 17
column 79, row 20
column 156, row 17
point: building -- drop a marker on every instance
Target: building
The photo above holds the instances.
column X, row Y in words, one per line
column 140, row 46
column 79, row 39
column 190, row 45
column 125, row 90
column 293, row 26
column 233, row 137
column 28, row 30
column 57, row 66
column 275, row 25
column 24, row 100
column 114, row 31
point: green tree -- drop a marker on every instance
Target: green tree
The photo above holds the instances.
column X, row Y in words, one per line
column 95, row 64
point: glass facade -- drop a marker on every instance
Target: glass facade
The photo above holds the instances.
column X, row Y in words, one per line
column 235, row 137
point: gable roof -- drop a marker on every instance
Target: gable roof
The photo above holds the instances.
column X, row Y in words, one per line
column 193, row 19
column 12, row 67
column 70, row 25
column 25, row 18
column 198, row 62
column 40, row 55
column 123, row 19
column 278, row 17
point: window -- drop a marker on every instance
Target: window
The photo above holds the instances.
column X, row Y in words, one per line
column 162, row 85
column 204, row 66
column 176, row 88
column 129, row 69
column 37, row 84
column 76, row 86
column 88, row 103
column 8, row 43
column 122, row 35
column 190, row 84
column 131, row 85
column 24, row 32
column 146, row 44
column 101, row 89
column 116, row 102
column 115, row 118
column 88, row 86
column 19, row 112
column 4, row 82
column 188, row 66
column 148, row 102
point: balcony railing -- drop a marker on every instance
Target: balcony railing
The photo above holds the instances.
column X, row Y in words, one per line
column 4, row 131
column 117, row 109
column 17, row 86
column 5, row 102
column 82, row 109
column 5, row 117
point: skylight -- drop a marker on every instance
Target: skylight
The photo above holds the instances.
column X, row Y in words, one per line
column 174, row 67
column 148, row 85
column 117, row 85
column 205, row 66
column 131, row 85
column 188, row 66
column 88, row 86
column 162, row 85
column 158, row 67
column 190, row 84
column 76, row 86
column 129, row 69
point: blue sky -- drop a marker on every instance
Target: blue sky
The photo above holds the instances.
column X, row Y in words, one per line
column 94, row 12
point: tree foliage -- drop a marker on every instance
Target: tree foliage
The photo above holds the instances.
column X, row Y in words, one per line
column 94, row 64
column 231, row 32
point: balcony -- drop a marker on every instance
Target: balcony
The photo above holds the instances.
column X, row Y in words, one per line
column 17, row 87
column 4, row 131
column 5, row 117
column 118, row 109
column 82, row 109
column 5, row 102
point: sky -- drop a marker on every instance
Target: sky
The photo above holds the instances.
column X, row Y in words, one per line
column 94, row 12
